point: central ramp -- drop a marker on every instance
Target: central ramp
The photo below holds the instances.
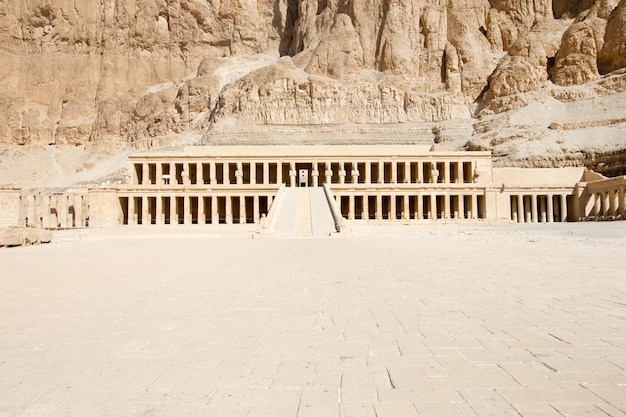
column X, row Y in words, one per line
column 303, row 212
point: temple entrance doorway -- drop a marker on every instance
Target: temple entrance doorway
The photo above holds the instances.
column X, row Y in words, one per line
column 304, row 177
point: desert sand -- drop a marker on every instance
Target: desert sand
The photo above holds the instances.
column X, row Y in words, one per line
column 433, row 320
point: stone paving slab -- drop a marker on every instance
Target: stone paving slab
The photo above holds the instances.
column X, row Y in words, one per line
column 395, row 321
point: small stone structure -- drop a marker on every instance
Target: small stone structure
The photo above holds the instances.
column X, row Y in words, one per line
column 369, row 183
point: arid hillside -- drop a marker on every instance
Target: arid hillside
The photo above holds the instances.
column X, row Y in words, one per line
column 542, row 83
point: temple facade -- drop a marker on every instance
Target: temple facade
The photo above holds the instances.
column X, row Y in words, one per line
column 375, row 183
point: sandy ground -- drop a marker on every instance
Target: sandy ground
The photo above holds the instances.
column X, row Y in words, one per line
column 512, row 320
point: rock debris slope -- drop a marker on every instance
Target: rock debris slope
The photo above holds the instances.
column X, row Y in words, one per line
column 131, row 74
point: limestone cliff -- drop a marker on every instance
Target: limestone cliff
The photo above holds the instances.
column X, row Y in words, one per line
column 121, row 74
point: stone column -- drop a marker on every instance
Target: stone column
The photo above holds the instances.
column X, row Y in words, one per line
column 520, row 208
column 550, row 208
column 212, row 173
column 292, row 174
column 355, row 173
column 392, row 207
column 186, row 209
column 145, row 171
column 215, row 214
column 406, row 214
column 445, row 175
column 239, row 173
column 159, row 210
column 255, row 209
column 159, row 174
column 342, row 173
column 131, row 210
column 199, row 174
column 542, row 211
column 461, row 199
column 475, row 206
column 433, row 206
column 242, row 209
column 201, row 210
column 407, row 172
column 563, row 208
column 420, row 207
column 379, row 207
column 315, row 174
column 145, row 212
column 226, row 172
column 381, row 172
column 173, row 214
column 279, row 173
column 266, row 173
column 328, row 173
column 622, row 203
column 253, row 173
column 351, row 207
column 459, row 170
column 446, row 205
column 368, row 173
column 366, row 208
column 533, row 207
column 394, row 172
column 229, row 210
column 614, row 203
column 420, row 172
column 185, row 174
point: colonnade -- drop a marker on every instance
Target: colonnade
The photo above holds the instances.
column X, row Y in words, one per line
column 56, row 211
column 188, row 173
column 607, row 205
column 539, row 208
column 411, row 206
column 194, row 209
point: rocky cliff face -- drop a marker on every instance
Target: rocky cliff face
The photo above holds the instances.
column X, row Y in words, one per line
column 122, row 74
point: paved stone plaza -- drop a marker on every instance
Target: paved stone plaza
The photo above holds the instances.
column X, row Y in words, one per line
column 524, row 320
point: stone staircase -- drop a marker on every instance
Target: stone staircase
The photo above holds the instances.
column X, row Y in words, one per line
column 303, row 212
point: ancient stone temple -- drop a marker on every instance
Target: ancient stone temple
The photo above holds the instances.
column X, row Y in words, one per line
column 235, row 184
column 350, row 183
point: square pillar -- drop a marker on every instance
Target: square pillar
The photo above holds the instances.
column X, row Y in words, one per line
column 159, row 210
column 159, row 174
column 459, row 172
column 406, row 215
column 186, row 210
column 215, row 215
column 145, row 212
column 368, row 173
column 420, row 172
column 420, row 207
column 132, row 217
column 394, row 172
column 475, row 206
column 461, row 199
column 520, row 208
column 255, row 209
column 433, row 206
column 242, row 210
column 173, row 204
column 407, row 172
column 366, row 209
column 446, row 205
column 266, row 173
column 226, row 172
column 252, row 173
column 351, row 207
column 201, row 210
column 279, row 172
column 392, row 207
column 212, row 173
column 229, row 210
column 379, row 207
